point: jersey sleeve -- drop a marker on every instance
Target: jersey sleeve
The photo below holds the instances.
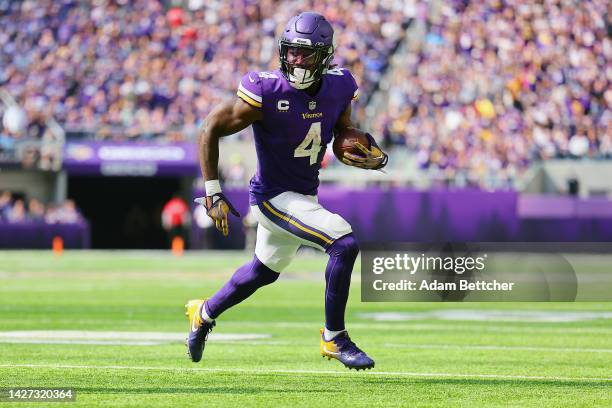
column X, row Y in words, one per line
column 250, row 89
column 347, row 87
column 353, row 87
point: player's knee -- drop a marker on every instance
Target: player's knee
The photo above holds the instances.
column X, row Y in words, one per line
column 345, row 247
column 268, row 276
column 255, row 274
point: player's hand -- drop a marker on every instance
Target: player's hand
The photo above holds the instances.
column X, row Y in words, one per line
column 372, row 159
column 217, row 207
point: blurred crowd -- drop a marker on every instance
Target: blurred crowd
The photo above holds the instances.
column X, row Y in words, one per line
column 489, row 86
column 14, row 210
column 494, row 85
column 26, row 140
column 143, row 68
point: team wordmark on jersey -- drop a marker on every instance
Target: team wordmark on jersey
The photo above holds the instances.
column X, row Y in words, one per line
column 315, row 115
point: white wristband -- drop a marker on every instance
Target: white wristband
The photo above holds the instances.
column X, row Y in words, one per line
column 212, row 187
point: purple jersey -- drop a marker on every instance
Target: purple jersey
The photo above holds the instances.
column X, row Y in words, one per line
column 292, row 136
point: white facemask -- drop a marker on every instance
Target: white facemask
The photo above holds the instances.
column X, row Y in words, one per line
column 298, row 76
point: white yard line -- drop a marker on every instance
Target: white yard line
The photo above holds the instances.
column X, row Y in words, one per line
column 313, row 372
column 135, row 343
column 120, row 335
column 146, row 342
column 411, row 325
column 119, row 338
column 504, row 348
column 116, row 338
column 500, row 315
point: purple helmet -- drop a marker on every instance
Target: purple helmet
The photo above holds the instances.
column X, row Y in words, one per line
column 306, row 49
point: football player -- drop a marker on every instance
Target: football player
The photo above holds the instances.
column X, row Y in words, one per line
column 294, row 111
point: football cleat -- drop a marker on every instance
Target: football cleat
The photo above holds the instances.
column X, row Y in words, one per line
column 344, row 350
column 198, row 329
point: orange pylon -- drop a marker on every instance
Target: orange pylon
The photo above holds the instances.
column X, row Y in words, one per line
column 57, row 245
column 178, row 246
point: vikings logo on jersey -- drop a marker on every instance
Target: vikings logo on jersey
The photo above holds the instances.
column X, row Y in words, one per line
column 291, row 138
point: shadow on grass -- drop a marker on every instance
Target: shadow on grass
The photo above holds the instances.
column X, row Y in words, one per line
column 198, row 390
column 488, row 381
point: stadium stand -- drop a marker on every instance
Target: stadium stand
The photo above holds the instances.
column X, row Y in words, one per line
column 14, row 210
column 462, row 93
column 144, row 69
column 489, row 87
column 482, row 92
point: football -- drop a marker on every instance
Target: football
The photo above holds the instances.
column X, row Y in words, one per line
column 345, row 142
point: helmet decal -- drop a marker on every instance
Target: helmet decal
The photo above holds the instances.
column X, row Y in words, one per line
column 303, row 41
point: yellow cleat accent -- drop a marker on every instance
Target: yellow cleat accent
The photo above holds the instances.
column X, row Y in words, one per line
column 328, row 348
column 341, row 348
column 192, row 311
column 199, row 329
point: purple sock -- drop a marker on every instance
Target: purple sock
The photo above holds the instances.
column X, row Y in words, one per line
column 245, row 281
column 342, row 255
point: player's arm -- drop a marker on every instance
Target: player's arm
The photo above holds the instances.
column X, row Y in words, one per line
column 344, row 121
column 228, row 118
column 373, row 158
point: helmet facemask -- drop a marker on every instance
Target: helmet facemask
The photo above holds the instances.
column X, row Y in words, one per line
column 303, row 65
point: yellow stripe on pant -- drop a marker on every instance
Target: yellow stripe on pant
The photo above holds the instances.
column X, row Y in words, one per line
column 296, row 224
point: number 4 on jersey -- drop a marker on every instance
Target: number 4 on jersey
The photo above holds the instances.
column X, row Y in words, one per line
column 312, row 139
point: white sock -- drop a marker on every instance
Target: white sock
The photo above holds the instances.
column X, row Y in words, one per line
column 205, row 315
column 330, row 334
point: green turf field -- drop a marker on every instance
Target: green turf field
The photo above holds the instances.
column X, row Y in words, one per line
column 523, row 358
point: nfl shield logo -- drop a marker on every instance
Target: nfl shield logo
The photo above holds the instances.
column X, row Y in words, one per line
column 312, row 105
